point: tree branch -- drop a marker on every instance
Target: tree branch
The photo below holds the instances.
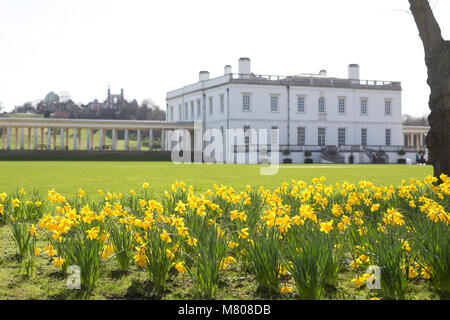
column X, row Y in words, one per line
column 429, row 29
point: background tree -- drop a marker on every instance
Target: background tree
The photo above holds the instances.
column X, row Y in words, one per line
column 415, row 121
column 437, row 60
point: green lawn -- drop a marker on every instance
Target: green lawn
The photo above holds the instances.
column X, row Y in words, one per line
column 67, row 177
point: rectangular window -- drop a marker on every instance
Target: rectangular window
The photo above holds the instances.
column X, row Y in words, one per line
column 341, row 105
column 274, row 136
column 246, row 102
column 180, row 111
column 186, row 111
column 171, row 113
column 364, row 137
column 192, row 109
column 247, row 134
column 274, row 103
column 321, row 137
column 387, row 107
column 388, row 137
column 199, row 108
column 222, row 103
column 341, row 136
column 301, row 135
column 301, row 104
column 321, row 105
column 210, row 106
column 364, row 106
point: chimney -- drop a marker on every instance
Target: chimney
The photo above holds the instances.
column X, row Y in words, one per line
column 353, row 72
column 203, row 76
column 227, row 69
column 244, row 67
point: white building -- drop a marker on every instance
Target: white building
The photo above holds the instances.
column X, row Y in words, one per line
column 338, row 120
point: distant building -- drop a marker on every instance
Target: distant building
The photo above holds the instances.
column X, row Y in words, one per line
column 113, row 101
column 339, row 119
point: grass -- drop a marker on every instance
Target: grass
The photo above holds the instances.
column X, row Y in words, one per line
column 67, row 177
column 50, row 283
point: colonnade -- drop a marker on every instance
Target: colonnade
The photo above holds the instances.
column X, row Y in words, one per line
column 63, row 138
column 414, row 139
column 78, row 134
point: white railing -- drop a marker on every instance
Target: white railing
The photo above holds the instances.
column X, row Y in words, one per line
column 304, row 79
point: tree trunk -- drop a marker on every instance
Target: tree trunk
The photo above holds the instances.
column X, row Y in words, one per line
column 437, row 60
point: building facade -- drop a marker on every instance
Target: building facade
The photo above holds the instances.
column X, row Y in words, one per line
column 337, row 120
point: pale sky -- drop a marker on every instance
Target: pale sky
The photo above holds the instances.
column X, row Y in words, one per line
column 151, row 47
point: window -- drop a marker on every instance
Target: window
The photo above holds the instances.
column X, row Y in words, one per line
column 192, row 109
column 301, row 104
column 246, row 102
column 171, row 113
column 210, row 106
column 321, row 136
column 247, row 134
column 388, row 137
column 273, row 103
column 387, row 107
column 186, row 111
column 364, row 137
column 364, row 106
column 179, row 112
column 222, row 103
column 199, row 108
column 321, row 104
column 341, row 136
column 341, row 105
column 274, row 136
column 301, row 135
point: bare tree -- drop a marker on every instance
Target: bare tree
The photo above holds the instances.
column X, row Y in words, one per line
column 437, row 60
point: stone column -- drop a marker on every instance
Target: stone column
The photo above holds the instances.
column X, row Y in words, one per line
column 100, row 140
column 49, row 138
column 75, row 147
column 17, row 138
column 126, row 139
column 114, row 139
column 150, row 140
column 139, row 139
column 92, row 139
column 163, row 140
column 35, row 138
column 61, row 139
column 54, row 138
column 8, row 138
column 42, row 137
column 88, row 139
column 29, row 139
column 21, row 138
column 67, row 139
column 3, row 139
